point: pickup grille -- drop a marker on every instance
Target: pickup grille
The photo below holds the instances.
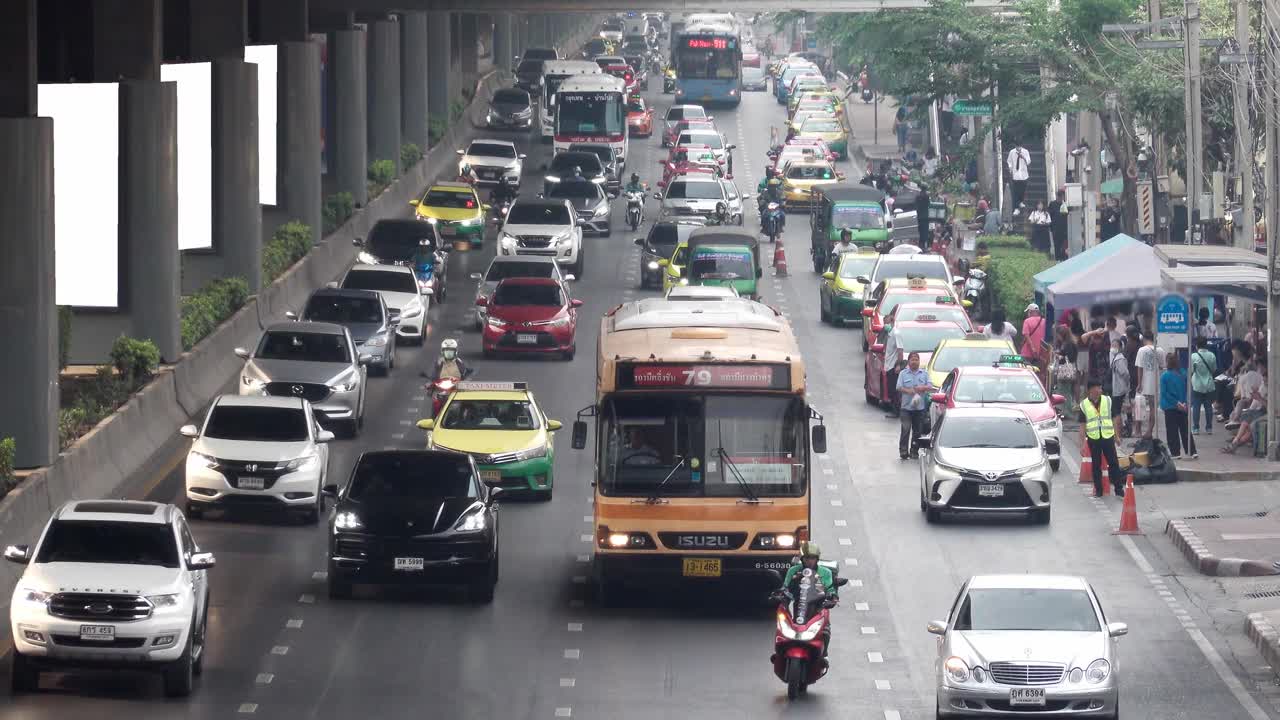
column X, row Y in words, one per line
column 535, row 241
column 1018, row 673
column 99, row 607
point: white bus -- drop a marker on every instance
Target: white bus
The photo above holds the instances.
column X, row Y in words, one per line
column 592, row 108
column 555, row 72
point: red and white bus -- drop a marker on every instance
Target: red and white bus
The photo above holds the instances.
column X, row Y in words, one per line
column 592, row 108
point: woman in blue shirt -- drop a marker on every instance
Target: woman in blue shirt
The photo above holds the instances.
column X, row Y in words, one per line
column 1173, row 401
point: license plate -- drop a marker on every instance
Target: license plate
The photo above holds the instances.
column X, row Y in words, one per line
column 490, row 476
column 527, row 339
column 1026, row 696
column 702, row 567
column 991, row 491
column 252, row 483
column 98, row 633
column 447, row 231
column 409, row 564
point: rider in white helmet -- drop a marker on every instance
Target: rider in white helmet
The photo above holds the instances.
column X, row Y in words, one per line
column 449, row 365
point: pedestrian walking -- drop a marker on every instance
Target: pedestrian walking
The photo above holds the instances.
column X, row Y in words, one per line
column 1119, row 386
column 912, row 385
column 1204, row 367
column 901, row 126
column 1173, row 403
column 1058, row 225
column 1148, row 381
column 1098, row 343
column 999, row 328
column 1033, row 327
column 1065, row 370
column 1111, row 216
column 1099, row 435
column 1204, row 327
column 922, row 217
column 1040, row 222
column 1019, row 162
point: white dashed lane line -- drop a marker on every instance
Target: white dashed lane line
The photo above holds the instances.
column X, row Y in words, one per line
column 264, row 679
column 568, row 682
column 572, row 654
column 247, row 708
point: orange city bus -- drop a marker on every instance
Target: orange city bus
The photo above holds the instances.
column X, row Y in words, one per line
column 702, row 441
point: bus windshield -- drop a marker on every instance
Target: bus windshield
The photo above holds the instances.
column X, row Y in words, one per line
column 591, row 114
column 700, row 64
column 644, row 438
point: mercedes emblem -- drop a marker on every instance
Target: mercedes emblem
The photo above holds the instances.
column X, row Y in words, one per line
column 296, row 390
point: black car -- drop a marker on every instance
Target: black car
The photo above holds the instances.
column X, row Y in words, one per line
column 562, row 165
column 511, row 108
column 661, row 243
column 529, row 75
column 396, row 241
column 414, row 517
column 608, row 158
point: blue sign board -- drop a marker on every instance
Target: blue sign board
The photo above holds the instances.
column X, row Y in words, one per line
column 1172, row 315
column 812, row 43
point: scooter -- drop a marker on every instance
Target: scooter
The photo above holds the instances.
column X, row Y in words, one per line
column 772, row 221
column 441, row 390
column 975, row 287
column 801, row 632
column 668, row 81
column 635, row 209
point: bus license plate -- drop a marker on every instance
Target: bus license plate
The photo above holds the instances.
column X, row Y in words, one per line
column 98, row 633
column 1026, row 696
column 252, row 483
column 702, row 567
column 409, row 564
column 993, row 491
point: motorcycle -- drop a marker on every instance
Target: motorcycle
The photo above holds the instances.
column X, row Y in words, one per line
column 668, row 81
column 635, row 209
column 802, row 632
column 975, row 288
column 772, row 221
column 441, row 389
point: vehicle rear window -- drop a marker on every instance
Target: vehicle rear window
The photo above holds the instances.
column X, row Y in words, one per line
column 810, row 172
column 303, row 346
column 528, row 66
column 412, row 476
column 262, row 424
column 1049, row 610
column 488, row 149
column 343, row 310
column 400, row 240
column 449, row 199
column 889, row 269
column 116, row 543
column 528, row 295
column 681, row 190
column 530, row 214
column 503, row 270
column 685, row 113
column 710, row 139
column 401, row 282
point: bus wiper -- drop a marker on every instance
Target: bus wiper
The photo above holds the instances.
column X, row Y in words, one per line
column 737, row 475
column 655, row 498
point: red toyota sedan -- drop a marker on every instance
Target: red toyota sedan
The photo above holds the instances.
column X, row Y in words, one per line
column 533, row 315
column 639, row 117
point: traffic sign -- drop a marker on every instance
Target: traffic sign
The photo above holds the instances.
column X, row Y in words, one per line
column 1172, row 316
column 973, row 107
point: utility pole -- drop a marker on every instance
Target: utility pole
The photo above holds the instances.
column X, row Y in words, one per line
column 1244, row 131
column 1271, row 56
column 1195, row 140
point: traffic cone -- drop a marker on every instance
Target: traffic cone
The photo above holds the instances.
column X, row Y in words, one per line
column 1086, row 471
column 1106, row 481
column 779, row 260
column 1129, row 513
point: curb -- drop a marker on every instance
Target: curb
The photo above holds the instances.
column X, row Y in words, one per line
column 1193, row 548
column 1264, row 637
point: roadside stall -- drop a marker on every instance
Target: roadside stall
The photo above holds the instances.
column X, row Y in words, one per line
column 1078, row 263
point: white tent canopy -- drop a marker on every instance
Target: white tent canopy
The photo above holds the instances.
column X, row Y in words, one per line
column 1235, row 280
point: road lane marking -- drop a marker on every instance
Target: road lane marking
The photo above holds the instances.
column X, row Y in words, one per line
column 892, row 715
column 845, row 541
column 306, row 598
column 564, row 712
column 588, row 518
column 855, row 583
column 875, row 657
column 575, row 627
column 883, row 685
column 397, row 436
column 247, row 708
column 585, row 537
column 294, row 623
column 841, row 523
column 868, row 630
column 567, row 682
column 851, row 561
column 320, row 575
column 862, row 606
column 837, row 503
column 572, row 654
column 585, row 557
column 833, row 486
column 264, row 678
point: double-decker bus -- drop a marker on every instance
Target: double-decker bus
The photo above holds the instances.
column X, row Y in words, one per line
column 708, row 62
column 555, row 72
column 702, row 442
column 592, row 108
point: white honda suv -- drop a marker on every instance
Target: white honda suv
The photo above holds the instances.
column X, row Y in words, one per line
column 111, row 584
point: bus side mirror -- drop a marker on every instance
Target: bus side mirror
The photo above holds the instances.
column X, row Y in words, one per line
column 819, row 440
column 579, row 434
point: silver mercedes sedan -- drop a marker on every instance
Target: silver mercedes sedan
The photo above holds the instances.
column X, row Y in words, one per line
column 1027, row 645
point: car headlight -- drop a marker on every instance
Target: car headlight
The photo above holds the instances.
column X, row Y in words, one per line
column 552, row 178
column 564, row 238
column 601, row 211
column 653, row 265
column 366, row 258
column 165, row 601
column 252, row 382
column 505, row 239
column 496, row 323
column 844, row 293
column 306, row 462
column 346, row 385
column 39, row 597
column 376, row 341
column 1051, row 424
column 347, row 521
column 411, row 311
column 956, row 669
column 684, row 281
column 473, row 521
column 1097, row 671
column 945, row 472
column 202, row 460
column 533, row 452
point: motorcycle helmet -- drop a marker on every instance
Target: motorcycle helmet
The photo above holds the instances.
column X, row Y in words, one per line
column 635, row 177
column 449, row 349
column 721, row 209
column 577, row 171
column 810, row 549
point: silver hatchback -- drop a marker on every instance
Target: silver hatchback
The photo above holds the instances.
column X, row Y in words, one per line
column 1027, row 646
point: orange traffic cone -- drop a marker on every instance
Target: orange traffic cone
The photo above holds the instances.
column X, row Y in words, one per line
column 779, row 260
column 1129, row 513
column 1106, row 482
column 1086, row 471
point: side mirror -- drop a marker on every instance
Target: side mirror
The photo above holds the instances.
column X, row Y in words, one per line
column 863, row 279
column 579, row 434
column 957, row 279
column 877, row 348
column 358, row 242
column 841, row 582
column 1057, row 399
column 329, row 491
column 937, row 627
column 938, row 397
column 190, row 431
column 291, row 315
column 639, row 242
column 1052, row 447
column 20, row 554
column 818, row 438
column 324, row 436
column 365, row 358
column 575, row 303
column 868, row 312
column 426, row 291
column 475, row 276
column 522, row 156
column 482, row 301
column 664, row 262
column 427, row 424
column 580, row 222
column 730, row 147
column 242, row 352
column 460, row 151
column 554, row 425
column 828, row 276
column 413, row 203
column 495, row 493
column 1117, row 629
column 201, row 561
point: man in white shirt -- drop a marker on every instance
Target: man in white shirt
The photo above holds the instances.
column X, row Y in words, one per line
column 1204, row 328
column 1148, row 366
column 1019, row 162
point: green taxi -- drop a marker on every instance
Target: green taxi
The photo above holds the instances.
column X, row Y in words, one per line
column 840, row 295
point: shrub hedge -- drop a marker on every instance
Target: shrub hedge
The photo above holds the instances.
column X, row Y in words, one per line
column 1009, row 274
column 204, row 310
column 338, row 208
column 380, row 175
column 134, row 360
column 132, row 364
column 8, row 449
column 410, row 155
column 288, row 244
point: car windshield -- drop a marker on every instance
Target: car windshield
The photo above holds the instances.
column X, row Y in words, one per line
column 449, row 199
column 857, row 217
column 932, row 269
column 810, row 172
column 508, row 96
column 115, row 543
column 853, row 265
column 260, row 424
column 1003, row 388
column 603, row 154
column 892, row 299
column 464, row 414
column 343, row 310
column 976, row 431
column 954, row 356
column 682, row 190
column 721, row 265
column 635, row 105
column 488, row 149
column 823, row 125
column 709, row 139
column 752, row 74
column 593, row 114
column 611, row 26
column 538, row 214
column 594, row 47
column 565, row 162
column 403, row 240
column 644, row 438
column 525, row 295
column 946, row 313
column 1049, row 610
column 412, row 476
column 386, row 280
column 526, row 67
column 514, row 268
column 926, row 339
column 685, row 113
column 303, row 346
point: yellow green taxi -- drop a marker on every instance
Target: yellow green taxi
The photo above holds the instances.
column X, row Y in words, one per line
column 823, row 95
column 500, row 425
column 455, row 209
column 800, row 177
column 829, row 129
column 673, row 273
column 974, row 349
column 840, row 296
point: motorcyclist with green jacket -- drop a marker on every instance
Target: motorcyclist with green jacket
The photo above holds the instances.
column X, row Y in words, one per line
column 810, row 554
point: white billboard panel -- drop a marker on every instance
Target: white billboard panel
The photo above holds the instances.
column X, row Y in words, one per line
column 265, row 57
column 195, row 152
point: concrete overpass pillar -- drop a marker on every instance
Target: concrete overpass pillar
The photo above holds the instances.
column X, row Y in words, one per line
column 519, row 33
column 413, row 78
column 27, row 302
column 298, row 137
column 346, row 141
column 468, row 37
column 384, row 92
column 440, row 90
column 502, row 47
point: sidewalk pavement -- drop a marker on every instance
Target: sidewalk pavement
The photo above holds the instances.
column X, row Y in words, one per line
column 868, row 142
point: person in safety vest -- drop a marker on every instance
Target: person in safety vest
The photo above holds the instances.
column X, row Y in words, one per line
column 1100, row 434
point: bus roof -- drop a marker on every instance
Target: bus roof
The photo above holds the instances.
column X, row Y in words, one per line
column 594, row 83
column 571, row 67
